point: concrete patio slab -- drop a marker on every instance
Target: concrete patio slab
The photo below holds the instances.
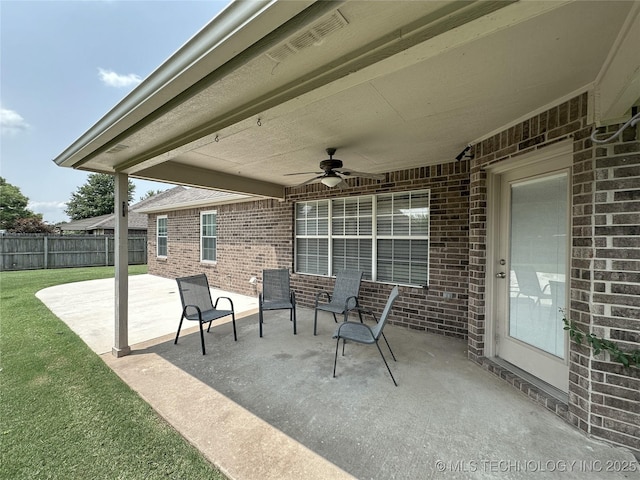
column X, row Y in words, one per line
column 269, row 408
column 154, row 308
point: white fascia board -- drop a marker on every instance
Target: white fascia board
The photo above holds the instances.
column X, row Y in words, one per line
column 233, row 30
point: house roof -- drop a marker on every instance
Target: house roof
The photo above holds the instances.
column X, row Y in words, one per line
column 136, row 221
column 174, row 198
column 261, row 91
column 181, row 198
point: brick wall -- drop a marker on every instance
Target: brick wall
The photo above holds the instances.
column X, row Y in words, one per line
column 604, row 398
column 615, row 291
column 251, row 236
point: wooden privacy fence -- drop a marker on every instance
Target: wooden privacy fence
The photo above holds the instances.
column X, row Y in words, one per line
column 36, row 252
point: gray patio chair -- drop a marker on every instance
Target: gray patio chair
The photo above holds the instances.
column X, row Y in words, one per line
column 277, row 295
column 343, row 299
column 197, row 305
column 529, row 285
column 362, row 333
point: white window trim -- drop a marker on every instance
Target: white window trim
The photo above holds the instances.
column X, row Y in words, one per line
column 202, row 214
column 158, row 218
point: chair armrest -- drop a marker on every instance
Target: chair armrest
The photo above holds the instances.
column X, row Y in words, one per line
column 322, row 292
column 184, row 311
column 226, row 298
column 293, row 298
column 351, row 300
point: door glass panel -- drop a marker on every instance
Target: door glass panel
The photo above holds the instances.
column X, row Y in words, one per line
column 538, row 250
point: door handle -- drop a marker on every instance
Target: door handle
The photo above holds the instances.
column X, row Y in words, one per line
column 501, row 275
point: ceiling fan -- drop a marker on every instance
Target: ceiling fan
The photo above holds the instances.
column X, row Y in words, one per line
column 333, row 175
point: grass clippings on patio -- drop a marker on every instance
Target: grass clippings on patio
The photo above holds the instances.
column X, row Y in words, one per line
column 63, row 413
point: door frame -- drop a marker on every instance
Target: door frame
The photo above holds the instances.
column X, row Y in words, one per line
column 558, row 156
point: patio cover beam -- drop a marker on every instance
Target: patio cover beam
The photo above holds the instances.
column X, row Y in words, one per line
column 173, row 172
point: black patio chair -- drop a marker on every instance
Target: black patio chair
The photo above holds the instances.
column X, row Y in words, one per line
column 197, row 305
column 344, row 297
column 277, row 295
column 362, row 333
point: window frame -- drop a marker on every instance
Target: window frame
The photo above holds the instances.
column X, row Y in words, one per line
column 202, row 236
column 165, row 236
column 423, row 233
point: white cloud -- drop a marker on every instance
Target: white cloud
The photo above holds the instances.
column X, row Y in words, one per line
column 52, row 212
column 11, row 122
column 113, row 79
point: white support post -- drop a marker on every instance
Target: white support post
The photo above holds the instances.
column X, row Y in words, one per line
column 121, row 261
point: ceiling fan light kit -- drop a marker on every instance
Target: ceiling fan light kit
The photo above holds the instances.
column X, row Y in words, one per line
column 331, row 180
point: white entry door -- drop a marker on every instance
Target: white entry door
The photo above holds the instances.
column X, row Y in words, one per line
column 531, row 271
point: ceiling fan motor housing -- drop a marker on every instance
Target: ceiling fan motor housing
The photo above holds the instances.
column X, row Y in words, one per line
column 330, row 164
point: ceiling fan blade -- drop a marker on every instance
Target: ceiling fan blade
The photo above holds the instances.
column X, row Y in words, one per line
column 374, row 176
column 302, row 173
column 311, row 180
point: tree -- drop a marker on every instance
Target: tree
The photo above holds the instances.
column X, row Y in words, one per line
column 13, row 205
column 96, row 197
column 150, row 193
column 32, row 225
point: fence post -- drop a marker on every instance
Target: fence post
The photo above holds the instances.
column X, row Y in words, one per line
column 45, row 249
column 106, row 251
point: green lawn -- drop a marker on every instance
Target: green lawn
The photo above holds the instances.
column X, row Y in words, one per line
column 63, row 413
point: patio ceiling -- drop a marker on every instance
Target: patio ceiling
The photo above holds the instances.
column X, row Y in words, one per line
column 264, row 88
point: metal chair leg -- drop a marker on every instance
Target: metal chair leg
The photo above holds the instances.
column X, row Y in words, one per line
column 233, row 321
column 179, row 327
column 315, row 321
column 335, row 360
column 202, row 338
column 387, row 365
column 389, row 347
column 293, row 311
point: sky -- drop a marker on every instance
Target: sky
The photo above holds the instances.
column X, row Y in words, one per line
column 63, row 66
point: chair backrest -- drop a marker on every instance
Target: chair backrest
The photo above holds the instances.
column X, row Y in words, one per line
column 276, row 284
column 347, row 285
column 528, row 283
column 377, row 330
column 194, row 290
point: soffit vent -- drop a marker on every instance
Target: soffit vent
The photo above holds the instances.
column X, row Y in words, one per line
column 118, row 148
column 309, row 38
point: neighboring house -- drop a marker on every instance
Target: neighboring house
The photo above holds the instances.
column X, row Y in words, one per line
column 106, row 224
column 488, row 242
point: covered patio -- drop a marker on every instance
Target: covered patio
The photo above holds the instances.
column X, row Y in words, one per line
column 268, row 408
column 460, row 101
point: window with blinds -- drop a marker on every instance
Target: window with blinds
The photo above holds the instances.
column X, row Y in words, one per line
column 312, row 237
column 403, row 238
column 352, row 234
column 161, row 236
column 208, row 236
column 386, row 236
